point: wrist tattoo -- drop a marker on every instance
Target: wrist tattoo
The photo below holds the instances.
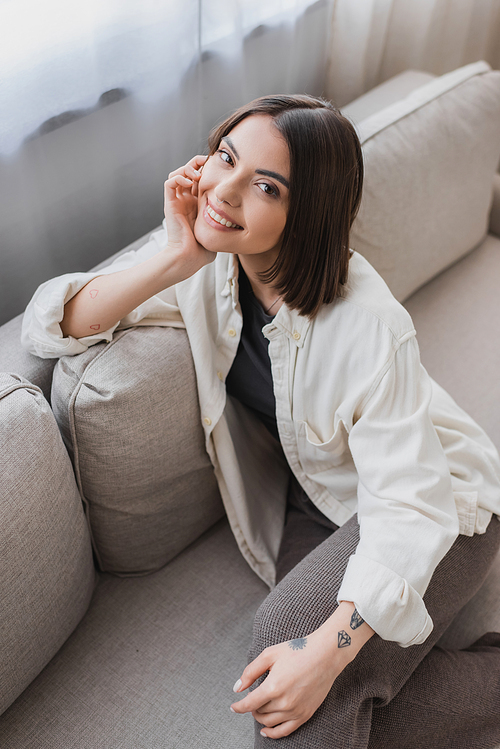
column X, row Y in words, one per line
column 344, row 639
column 298, row 644
column 356, row 620
column 95, row 327
column 93, row 293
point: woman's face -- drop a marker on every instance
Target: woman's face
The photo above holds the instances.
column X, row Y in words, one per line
column 250, row 173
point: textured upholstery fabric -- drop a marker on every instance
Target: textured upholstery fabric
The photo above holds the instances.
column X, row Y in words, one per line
column 430, row 160
column 47, row 574
column 456, row 318
column 495, row 208
column 128, row 412
column 153, row 663
column 14, row 358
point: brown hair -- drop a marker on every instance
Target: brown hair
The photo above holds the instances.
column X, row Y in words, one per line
column 326, row 180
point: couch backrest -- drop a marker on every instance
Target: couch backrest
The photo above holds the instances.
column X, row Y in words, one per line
column 430, row 160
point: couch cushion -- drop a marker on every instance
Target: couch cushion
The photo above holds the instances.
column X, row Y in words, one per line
column 47, row 573
column 129, row 415
column 14, row 358
column 456, row 317
column 430, row 160
column 153, row 663
column 386, row 93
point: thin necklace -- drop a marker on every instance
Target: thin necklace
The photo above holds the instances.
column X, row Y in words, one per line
column 267, row 311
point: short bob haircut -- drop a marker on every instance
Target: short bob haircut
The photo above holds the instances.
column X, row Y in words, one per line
column 326, row 181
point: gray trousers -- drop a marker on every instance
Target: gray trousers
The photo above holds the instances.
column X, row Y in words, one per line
column 389, row 697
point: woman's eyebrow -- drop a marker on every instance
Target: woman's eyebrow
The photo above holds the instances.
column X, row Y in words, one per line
column 264, row 172
column 275, row 175
column 231, row 145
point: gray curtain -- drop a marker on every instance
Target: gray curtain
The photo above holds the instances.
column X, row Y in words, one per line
column 373, row 40
column 100, row 100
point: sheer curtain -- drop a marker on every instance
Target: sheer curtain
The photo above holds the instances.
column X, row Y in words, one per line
column 373, row 40
column 100, row 100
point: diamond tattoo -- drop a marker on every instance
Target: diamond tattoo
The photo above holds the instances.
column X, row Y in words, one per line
column 298, row 644
column 356, row 620
column 344, row 639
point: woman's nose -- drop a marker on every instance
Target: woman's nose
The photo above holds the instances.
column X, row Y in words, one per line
column 228, row 191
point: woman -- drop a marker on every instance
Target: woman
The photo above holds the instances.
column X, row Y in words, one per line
column 348, row 475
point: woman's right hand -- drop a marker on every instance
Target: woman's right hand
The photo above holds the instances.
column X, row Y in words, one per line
column 181, row 210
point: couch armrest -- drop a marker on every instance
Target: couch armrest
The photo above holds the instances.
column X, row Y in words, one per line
column 14, row 358
column 495, row 207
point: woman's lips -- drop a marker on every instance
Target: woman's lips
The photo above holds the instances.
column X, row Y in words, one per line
column 215, row 224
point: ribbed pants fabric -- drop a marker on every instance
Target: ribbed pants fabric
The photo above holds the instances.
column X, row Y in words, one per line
column 389, row 697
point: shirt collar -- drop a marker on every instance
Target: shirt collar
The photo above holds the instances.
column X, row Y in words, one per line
column 287, row 321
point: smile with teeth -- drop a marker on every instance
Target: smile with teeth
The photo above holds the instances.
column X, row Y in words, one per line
column 221, row 220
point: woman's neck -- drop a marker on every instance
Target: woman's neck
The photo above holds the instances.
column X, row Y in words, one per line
column 267, row 295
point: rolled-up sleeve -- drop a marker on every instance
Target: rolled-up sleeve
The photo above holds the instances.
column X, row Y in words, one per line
column 41, row 332
column 406, row 510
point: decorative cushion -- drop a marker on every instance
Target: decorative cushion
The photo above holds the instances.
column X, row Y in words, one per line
column 47, row 573
column 129, row 415
column 430, row 160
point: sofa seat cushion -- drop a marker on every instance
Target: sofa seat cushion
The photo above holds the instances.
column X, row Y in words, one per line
column 47, row 575
column 456, row 317
column 154, row 661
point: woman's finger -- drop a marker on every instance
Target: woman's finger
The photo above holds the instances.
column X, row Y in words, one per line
column 186, row 171
column 177, row 187
column 178, row 181
column 271, row 719
column 192, row 166
column 252, row 701
column 255, row 669
column 284, row 729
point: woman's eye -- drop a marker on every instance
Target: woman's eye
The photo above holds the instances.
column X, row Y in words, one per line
column 268, row 189
column 225, row 156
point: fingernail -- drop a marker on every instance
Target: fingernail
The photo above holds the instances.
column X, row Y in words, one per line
column 263, row 734
column 196, row 171
column 233, row 711
column 237, row 686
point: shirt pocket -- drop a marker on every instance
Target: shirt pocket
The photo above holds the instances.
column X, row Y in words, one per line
column 317, row 456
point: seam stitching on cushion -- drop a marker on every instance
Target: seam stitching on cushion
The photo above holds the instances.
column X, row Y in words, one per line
column 422, row 105
column 72, row 428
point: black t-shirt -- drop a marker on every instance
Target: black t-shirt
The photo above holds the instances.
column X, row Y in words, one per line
column 250, row 379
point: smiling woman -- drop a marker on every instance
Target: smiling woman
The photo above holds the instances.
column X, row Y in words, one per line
column 321, row 424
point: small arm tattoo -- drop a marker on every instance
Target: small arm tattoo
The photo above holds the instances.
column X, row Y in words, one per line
column 356, row 620
column 93, row 293
column 344, row 639
column 95, row 327
column 298, row 644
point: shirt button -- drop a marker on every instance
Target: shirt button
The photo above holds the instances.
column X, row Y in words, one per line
column 231, row 332
column 220, row 376
column 296, row 335
column 207, row 421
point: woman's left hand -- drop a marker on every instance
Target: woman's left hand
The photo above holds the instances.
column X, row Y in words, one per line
column 301, row 672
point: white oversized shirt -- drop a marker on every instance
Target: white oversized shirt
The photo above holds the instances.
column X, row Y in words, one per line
column 363, row 427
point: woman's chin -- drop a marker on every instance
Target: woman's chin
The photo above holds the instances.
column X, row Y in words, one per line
column 205, row 236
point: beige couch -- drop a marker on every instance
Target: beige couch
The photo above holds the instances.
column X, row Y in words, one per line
column 126, row 605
